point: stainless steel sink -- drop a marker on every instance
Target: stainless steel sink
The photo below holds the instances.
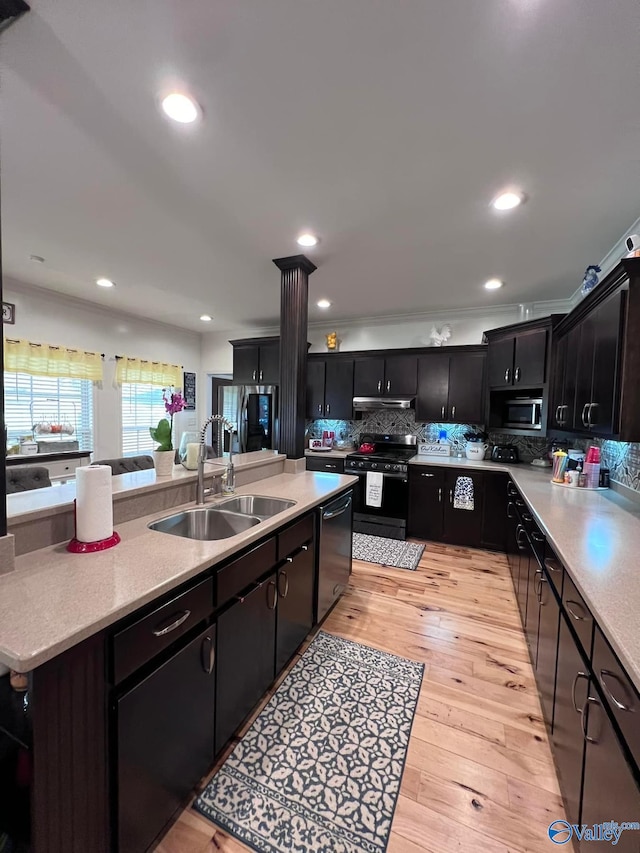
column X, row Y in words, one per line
column 205, row 523
column 256, row 505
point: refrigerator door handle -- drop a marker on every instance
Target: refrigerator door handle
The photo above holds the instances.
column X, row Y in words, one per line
column 243, row 428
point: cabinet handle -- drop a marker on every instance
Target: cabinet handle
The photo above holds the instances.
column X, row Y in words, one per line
column 328, row 408
column 329, row 465
column 304, row 547
column 591, row 406
column 575, row 615
column 604, row 674
column 254, row 375
column 537, row 536
column 537, row 584
column 379, row 385
column 453, row 411
column 519, row 530
column 442, row 410
column 509, row 508
column 591, row 700
column 517, row 374
column 167, row 629
column 427, row 475
column 579, row 675
column 271, row 585
column 507, row 375
column 208, row 658
column 289, row 559
column 526, row 517
column 319, row 408
column 551, row 565
column 261, row 375
column 450, row 496
column 584, row 416
column 284, row 575
column 440, row 495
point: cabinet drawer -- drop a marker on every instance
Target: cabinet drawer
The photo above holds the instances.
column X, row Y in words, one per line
column 333, row 465
column 555, row 571
column 293, row 537
column 621, row 695
column 578, row 614
column 239, row 574
column 61, row 468
column 137, row 644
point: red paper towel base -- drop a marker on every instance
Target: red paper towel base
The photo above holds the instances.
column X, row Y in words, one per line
column 77, row 547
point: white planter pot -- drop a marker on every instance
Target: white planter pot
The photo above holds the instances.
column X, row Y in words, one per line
column 163, row 461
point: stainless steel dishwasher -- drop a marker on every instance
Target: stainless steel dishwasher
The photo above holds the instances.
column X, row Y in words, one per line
column 335, row 546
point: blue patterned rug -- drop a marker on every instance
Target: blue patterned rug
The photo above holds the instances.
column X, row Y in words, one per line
column 319, row 770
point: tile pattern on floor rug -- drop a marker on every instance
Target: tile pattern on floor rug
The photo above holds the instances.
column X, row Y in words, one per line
column 319, row 770
column 387, row 552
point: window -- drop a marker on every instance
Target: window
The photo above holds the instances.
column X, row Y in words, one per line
column 142, row 407
column 29, row 400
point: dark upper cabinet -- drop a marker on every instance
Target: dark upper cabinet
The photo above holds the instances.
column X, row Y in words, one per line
column 518, row 360
column 245, row 658
column 296, row 584
column 572, row 682
column 256, row 361
column 451, row 388
column 563, row 381
column 368, row 377
column 393, row 376
column 426, row 496
column 330, row 388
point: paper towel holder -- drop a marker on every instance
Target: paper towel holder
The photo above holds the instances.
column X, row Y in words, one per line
column 74, row 546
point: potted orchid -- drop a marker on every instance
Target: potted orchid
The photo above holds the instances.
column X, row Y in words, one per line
column 164, row 454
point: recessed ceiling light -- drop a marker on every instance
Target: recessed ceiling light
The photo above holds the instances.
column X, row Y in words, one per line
column 307, row 240
column 37, row 259
column 493, row 284
column 105, row 282
column 508, row 200
column 206, row 318
column 180, row 108
column 323, row 303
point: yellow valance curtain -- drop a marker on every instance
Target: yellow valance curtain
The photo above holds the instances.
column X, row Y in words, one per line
column 46, row 360
column 137, row 370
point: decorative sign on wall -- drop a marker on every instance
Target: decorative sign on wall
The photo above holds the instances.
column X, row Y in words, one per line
column 8, row 312
column 189, row 390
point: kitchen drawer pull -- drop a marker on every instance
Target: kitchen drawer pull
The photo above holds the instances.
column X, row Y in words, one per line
column 510, row 506
column 208, row 658
column 167, row 629
column 551, row 565
column 538, row 537
column 584, row 416
column 517, row 375
column 520, row 502
column 284, row 575
column 579, row 675
column 304, row 547
column 427, row 475
column 604, row 674
column 591, row 700
column 329, row 465
column 271, row 585
column 575, row 615
column 527, row 517
column 442, row 411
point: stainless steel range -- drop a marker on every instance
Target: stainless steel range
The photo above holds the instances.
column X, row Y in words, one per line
column 390, row 458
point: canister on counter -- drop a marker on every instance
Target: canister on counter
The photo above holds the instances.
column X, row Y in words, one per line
column 605, row 479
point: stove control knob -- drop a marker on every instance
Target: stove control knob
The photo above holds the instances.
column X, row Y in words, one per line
column 387, row 467
column 360, row 464
column 374, row 465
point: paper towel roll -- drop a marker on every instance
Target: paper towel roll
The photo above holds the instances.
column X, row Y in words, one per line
column 94, row 504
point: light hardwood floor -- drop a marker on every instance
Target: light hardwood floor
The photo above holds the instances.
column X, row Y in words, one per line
column 479, row 776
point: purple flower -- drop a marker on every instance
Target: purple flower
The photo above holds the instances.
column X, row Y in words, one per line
column 174, row 402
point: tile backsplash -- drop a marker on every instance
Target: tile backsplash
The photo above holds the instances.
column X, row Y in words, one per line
column 622, row 459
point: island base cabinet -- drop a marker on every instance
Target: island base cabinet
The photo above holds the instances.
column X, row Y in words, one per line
column 245, row 656
column 547, row 647
column 296, row 581
column 611, row 792
column 572, row 683
column 165, row 741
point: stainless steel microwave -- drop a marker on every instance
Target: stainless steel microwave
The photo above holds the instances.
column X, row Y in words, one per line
column 522, row 413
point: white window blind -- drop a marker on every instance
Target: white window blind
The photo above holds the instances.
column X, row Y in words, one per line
column 142, row 407
column 34, row 399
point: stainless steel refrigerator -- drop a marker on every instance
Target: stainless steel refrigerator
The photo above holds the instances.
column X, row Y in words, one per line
column 253, row 410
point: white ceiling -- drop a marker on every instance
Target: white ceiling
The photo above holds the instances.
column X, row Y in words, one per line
column 387, row 127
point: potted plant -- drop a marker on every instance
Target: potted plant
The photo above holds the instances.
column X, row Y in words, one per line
column 164, row 454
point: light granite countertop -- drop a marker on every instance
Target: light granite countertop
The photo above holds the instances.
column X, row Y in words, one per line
column 597, row 537
column 54, row 600
column 334, row 453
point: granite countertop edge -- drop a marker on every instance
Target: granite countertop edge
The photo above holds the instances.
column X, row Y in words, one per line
column 32, row 631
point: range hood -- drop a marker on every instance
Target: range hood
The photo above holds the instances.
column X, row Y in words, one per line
column 369, row 404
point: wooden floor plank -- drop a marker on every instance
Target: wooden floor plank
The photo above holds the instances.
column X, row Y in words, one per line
column 479, row 774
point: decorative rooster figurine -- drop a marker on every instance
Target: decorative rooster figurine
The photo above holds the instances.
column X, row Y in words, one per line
column 437, row 338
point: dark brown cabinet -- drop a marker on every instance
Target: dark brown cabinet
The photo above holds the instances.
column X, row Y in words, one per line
column 563, row 388
column 165, row 741
column 392, row 376
column 572, row 689
column 295, row 581
column 549, row 626
column 330, row 388
column 246, row 656
column 494, row 512
column 321, row 462
column 451, row 388
column 256, row 361
column 518, row 360
column 433, row 511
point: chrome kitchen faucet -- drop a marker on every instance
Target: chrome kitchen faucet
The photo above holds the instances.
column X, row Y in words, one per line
column 229, row 486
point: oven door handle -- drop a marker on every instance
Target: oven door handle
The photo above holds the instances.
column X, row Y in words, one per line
column 386, row 474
